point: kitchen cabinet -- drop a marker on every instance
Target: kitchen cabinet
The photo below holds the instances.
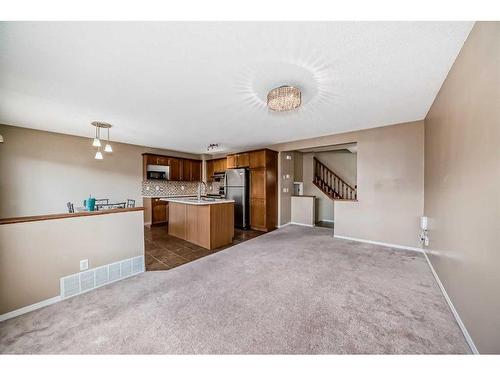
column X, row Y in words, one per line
column 180, row 169
column 155, row 211
column 195, row 170
column 209, row 225
column 238, row 161
column 232, row 162
column 190, row 170
column 257, row 159
column 220, row 165
column 215, row 166
column 263, row 189
column 175, row 169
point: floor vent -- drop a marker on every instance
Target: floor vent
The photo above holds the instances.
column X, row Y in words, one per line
column 94, row 278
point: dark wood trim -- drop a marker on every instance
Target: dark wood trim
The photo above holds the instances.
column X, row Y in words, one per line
column 25, row 219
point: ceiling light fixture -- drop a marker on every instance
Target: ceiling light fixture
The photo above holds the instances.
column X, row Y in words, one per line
column 284, row 98
column 212, row 147
column 97, row 139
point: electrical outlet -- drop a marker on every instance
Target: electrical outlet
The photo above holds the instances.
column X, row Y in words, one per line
column 426, row 241
column 182, row 187
column 84, row 265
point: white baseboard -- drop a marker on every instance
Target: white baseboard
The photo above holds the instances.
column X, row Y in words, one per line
column 326, row 220
column 283, row 225
column 27, row 309
column 294, row 223
column 301, row 224
column 461, row 324
column 410, row 248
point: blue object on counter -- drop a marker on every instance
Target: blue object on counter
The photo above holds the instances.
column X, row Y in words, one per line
column 89, row 204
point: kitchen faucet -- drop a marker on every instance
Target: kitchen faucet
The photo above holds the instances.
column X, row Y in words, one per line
column 199, row 189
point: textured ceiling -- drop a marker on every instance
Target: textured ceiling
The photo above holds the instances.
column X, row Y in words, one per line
column 184, row 85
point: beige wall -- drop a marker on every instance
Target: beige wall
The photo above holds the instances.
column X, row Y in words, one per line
column 41, row 171
column 298, row 166
column 390, row 183
column 462, row 185
column 286, row 168
column 35, row 255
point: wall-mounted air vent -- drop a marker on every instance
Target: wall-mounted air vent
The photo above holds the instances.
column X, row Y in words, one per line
column 84, row 281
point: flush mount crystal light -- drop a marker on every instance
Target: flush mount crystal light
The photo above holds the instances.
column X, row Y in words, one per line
column 283, row 98
column 97, row 138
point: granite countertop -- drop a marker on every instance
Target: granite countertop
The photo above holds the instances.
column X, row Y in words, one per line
column 194, row 201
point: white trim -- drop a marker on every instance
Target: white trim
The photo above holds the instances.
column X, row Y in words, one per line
column 301, row 224
column 283, row 225
column 461, row 324
column 410, row 248
column 27, row 309
column 326, row 220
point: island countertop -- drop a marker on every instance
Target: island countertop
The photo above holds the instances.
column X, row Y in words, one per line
column 197, row 202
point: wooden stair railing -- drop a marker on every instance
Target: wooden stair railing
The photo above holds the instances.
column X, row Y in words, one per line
column 332, row 185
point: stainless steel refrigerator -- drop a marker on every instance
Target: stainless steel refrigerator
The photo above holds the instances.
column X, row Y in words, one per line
column 236, row 188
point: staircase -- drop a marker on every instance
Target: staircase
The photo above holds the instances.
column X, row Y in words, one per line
column 331, row 184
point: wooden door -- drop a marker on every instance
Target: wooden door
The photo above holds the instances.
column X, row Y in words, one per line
column 258, row 183
column 195, row 170
column 175, row 173
column 232, row 161
column 159, row 211
column 185, row 168
column 257, row 159
column 220, row 165
column 210, row 164
column 258, row 213
column 242, row 160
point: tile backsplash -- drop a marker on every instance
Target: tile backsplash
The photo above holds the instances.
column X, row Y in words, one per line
column 152, row 188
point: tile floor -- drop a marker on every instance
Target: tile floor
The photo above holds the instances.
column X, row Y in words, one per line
column 164, row 252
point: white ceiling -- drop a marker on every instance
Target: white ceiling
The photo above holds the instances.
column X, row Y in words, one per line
column 184, row 85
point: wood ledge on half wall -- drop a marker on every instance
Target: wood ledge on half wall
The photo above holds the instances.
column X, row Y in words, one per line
column 25, row 219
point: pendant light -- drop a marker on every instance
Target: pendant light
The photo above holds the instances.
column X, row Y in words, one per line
column 98, row 154
column 97, row 139
column 108, row 148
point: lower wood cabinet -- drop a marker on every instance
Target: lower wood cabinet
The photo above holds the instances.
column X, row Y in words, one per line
column 258, row 214
column 155, row 211
column 209, row 226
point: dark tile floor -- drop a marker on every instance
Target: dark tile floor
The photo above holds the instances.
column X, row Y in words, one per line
column 164, row 252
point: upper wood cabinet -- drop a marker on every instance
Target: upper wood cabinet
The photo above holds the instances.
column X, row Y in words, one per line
column 195, row 170
column 215, row 166
column 257, row 159
column 220, row 165
column 232, row 161
column 238, row 161
column 180, row 169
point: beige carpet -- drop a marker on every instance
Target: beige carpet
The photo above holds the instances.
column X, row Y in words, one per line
column 295, row 290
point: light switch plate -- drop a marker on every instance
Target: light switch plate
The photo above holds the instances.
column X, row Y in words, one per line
column 84, row 265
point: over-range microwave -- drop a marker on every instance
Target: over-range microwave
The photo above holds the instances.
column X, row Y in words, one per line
column 158, row 172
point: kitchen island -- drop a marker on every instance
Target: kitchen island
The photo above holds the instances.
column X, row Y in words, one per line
column 205, row 222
